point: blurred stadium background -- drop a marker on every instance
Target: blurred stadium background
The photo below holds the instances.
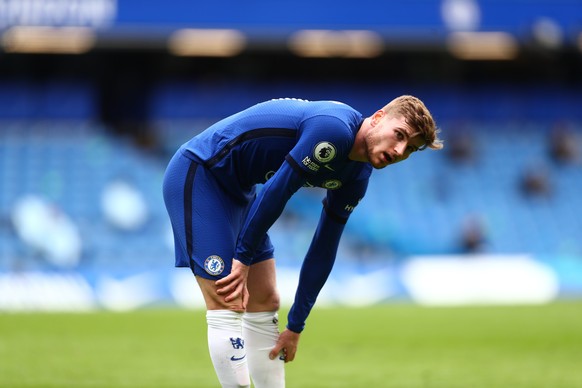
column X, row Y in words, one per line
column 96, row 95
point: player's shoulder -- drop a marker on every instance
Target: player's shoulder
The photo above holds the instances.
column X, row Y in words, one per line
column 286, row 103
column 323, row 117
column 334, row 111
column 332, row 119
column 332, row 108
column 308, row 106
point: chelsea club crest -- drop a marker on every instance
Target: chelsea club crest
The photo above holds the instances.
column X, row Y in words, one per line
column 214, row 265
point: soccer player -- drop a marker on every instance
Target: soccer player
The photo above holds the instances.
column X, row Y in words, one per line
column 220, row 221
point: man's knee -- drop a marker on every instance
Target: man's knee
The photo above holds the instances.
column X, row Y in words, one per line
column 262, row 287
column 264, row 301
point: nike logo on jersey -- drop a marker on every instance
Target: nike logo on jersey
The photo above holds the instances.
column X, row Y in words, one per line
column 233, row 358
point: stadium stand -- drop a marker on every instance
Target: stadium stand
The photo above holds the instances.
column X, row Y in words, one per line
column 417, row 207
column 70, row 164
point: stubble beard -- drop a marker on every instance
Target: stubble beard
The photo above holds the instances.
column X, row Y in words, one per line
column 371, row 142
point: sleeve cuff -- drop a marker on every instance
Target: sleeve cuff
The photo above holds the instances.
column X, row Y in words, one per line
column 296, row 328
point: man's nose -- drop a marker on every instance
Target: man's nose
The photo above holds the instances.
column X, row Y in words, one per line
column 399, row 149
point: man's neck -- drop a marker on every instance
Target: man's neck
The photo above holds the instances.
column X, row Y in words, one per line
column 358, row 151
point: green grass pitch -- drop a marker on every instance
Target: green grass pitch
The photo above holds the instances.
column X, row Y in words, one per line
column 392, row 345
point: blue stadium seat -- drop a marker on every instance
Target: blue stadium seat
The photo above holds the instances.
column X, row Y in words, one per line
column 417, row 207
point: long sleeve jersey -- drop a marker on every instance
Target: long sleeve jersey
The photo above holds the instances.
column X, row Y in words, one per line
column 286, row 144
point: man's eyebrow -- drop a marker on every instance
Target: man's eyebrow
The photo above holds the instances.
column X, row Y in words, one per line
column 405, row 132
column 413, row 135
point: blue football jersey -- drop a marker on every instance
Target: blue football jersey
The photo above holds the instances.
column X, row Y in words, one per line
column 286, row 144
column 315, row 137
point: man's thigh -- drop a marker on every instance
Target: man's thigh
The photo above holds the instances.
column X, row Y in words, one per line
column 261, row 284
column 215, row 301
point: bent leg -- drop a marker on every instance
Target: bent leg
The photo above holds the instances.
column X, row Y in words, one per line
column 260, row 326
column 225, row 339
column 206, row 222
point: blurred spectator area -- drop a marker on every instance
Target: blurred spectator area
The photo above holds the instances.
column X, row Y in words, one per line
column 53, row 144
column 70, row 164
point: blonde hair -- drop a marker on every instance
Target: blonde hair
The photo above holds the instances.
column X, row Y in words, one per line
column 418, row 117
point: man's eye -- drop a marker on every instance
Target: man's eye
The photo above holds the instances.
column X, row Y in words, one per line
column 399, row 136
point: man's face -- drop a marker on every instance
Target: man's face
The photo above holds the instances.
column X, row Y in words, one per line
column 390, row 140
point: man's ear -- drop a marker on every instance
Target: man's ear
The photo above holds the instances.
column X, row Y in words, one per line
column 376, row 117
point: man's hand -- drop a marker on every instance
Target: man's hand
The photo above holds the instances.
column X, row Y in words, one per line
column 235, row 284
column 287, row 345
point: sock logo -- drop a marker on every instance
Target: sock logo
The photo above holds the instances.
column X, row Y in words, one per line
column 237, row 343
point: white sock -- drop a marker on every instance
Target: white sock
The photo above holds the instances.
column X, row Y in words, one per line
column 227, row 348
column 261, row 332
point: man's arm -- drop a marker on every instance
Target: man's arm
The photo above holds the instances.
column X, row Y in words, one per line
column 267, row 208
column 316, row 268
column 319, row 260
column 314, row 273
column 263, row 213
